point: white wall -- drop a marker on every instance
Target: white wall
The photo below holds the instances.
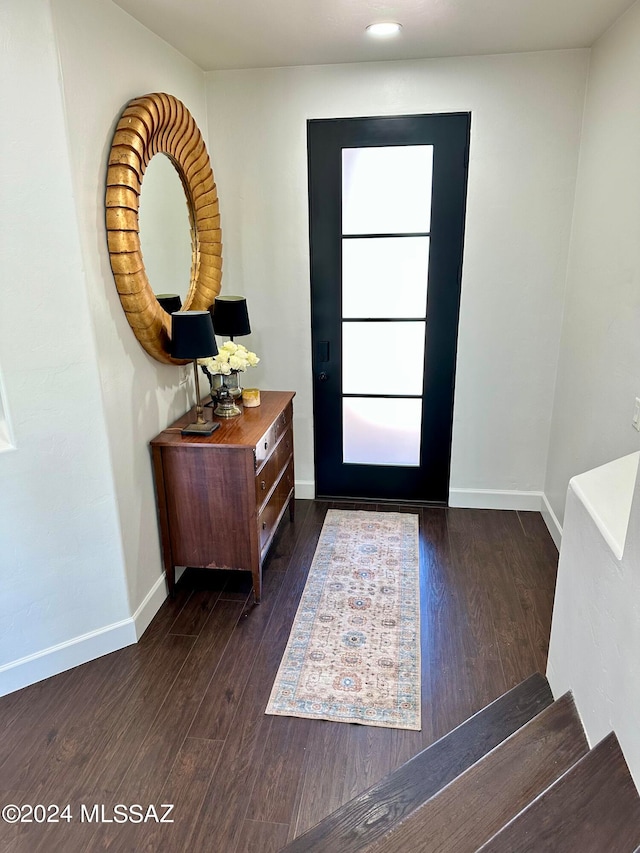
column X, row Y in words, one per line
column 107, row 58
column 599, row 366
column 594, row 649
column 61, row 561
column 80, row 556
column 527, row 112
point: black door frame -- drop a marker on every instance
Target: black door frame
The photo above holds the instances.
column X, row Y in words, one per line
column 449, row 133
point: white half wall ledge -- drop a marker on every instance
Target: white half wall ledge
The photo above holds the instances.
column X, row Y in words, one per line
column 607, row 494
column 595, row 628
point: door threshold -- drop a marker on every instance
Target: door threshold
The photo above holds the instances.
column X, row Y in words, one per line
column 388, row 501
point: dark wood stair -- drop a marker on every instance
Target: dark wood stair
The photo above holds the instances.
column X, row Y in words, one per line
column 517, row 776
column 371, row 814
column 594, row 807
column 472, row 808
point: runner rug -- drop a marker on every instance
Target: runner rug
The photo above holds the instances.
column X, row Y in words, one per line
column 353, row 654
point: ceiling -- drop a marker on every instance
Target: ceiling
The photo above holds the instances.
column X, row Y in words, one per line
column 221, row 34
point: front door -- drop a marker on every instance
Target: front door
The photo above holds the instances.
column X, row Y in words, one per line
column 387, row 206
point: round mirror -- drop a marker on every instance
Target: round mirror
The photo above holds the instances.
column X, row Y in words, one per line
column 151, row 125
column 165, row 232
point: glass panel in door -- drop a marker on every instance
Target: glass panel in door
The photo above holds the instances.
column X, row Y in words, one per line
column 384, row 277
column 385, row 189
column 381, row 431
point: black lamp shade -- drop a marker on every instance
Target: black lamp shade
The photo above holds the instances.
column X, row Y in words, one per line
column 169, row 302
column 230, row 316
column 192, row 335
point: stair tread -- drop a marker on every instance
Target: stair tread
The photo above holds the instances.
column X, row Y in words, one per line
column 370, row 815
column 591, row 808
column 471, row 809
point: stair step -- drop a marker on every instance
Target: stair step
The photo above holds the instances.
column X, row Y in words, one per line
column 371, row 814
column 593, row 808
column 478, row 803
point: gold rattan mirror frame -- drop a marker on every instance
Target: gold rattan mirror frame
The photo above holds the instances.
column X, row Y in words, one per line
column 154, row 124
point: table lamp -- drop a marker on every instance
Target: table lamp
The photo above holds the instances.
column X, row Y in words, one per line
column 192, row 337
column 230, row 316
column 169, row 302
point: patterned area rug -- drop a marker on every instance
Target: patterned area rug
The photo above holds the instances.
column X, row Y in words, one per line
column 353, row 654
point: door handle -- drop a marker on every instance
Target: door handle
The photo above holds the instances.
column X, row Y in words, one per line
column 323, row 376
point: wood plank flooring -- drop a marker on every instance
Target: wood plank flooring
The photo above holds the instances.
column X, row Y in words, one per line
column 179, row 718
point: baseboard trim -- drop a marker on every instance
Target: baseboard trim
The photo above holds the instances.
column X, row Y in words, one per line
column 550, row 519
column 496, row 499
column 305, row 489
column 36, row 667
column 466, row 498
column 151, row 603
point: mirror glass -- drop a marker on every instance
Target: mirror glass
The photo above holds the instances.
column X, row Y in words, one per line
column 165, row 233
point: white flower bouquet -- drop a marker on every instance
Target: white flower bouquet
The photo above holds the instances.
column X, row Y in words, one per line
column 222, row 370
column 231, row 358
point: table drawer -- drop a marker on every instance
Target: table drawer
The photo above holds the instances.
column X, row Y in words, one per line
column 270, row 515
column 273, row 466
column 265, row 446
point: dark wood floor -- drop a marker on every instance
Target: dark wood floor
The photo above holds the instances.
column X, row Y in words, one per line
column 179, row 718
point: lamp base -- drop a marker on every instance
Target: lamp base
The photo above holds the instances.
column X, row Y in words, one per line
column 200, row 429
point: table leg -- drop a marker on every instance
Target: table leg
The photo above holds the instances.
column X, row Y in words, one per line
column 170, row 573
column 257, row 584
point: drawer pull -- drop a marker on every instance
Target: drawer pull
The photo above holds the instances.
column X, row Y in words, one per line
column 266, row 444
column 263, row 485
column 264, row 525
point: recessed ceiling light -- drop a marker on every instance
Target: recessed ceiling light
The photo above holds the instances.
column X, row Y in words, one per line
column 385, row 29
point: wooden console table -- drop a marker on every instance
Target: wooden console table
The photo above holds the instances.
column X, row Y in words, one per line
column 221, row 497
